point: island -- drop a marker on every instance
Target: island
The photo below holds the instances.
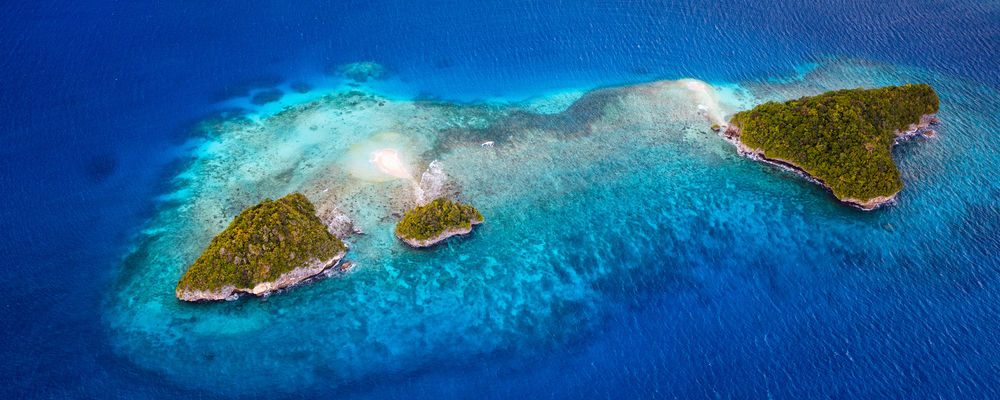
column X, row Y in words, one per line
column 842, row 139
column 267, row 247
column 436, row 221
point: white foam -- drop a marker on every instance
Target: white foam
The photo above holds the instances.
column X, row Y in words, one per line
column 431, row 183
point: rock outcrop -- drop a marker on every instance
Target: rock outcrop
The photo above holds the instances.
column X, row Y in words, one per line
column 230, row 292
column 449, row 232
column 430, row 224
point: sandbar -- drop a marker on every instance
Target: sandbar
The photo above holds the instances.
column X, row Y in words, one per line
column 703, row 94
column 388, row 161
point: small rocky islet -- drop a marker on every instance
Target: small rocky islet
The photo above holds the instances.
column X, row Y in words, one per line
column 437, row 221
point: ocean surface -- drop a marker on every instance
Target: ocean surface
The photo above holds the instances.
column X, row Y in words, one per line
column 627, row 252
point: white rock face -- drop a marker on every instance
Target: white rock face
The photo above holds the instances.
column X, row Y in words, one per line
column 440, row 238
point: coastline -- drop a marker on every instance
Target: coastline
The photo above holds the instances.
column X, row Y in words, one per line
column 289, row 278
column 922, row 127
column 421, row 243
column 732, row 133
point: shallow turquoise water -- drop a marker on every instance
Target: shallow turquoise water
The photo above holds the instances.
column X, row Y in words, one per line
column 636, row 259
column 625, row 209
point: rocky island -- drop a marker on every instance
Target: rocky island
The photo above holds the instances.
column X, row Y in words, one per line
column 842, row 139
column 267, row 247
column 436, row 221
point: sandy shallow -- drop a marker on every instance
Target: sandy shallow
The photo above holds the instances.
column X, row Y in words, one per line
column 389, row 161
column 363, row 157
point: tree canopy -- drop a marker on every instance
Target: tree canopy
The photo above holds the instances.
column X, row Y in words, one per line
column 843, row 138
column 263, row 242
column 431, row 220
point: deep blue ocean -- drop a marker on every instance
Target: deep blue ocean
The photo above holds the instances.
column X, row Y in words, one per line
column 728, row 280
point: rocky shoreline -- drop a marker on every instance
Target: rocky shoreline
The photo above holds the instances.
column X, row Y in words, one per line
column 732, row 135
column 230, row 292
column 925, row 127
column 420, row 243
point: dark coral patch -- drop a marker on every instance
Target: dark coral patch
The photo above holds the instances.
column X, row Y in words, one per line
column 267, row 96
column 101, row 167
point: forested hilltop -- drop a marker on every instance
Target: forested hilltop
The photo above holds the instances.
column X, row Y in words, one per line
column 262, row 243
column 843, row 138
column 436, row 221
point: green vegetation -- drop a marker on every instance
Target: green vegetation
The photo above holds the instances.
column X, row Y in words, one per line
column 843, row 138
column 262, row 242
column 431, row 220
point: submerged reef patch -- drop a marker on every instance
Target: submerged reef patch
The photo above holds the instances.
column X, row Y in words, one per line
column 362, row 71
column 243, row 88
column 574, row 121
column 101, row 167
column 301, row 87
column 267, row 96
